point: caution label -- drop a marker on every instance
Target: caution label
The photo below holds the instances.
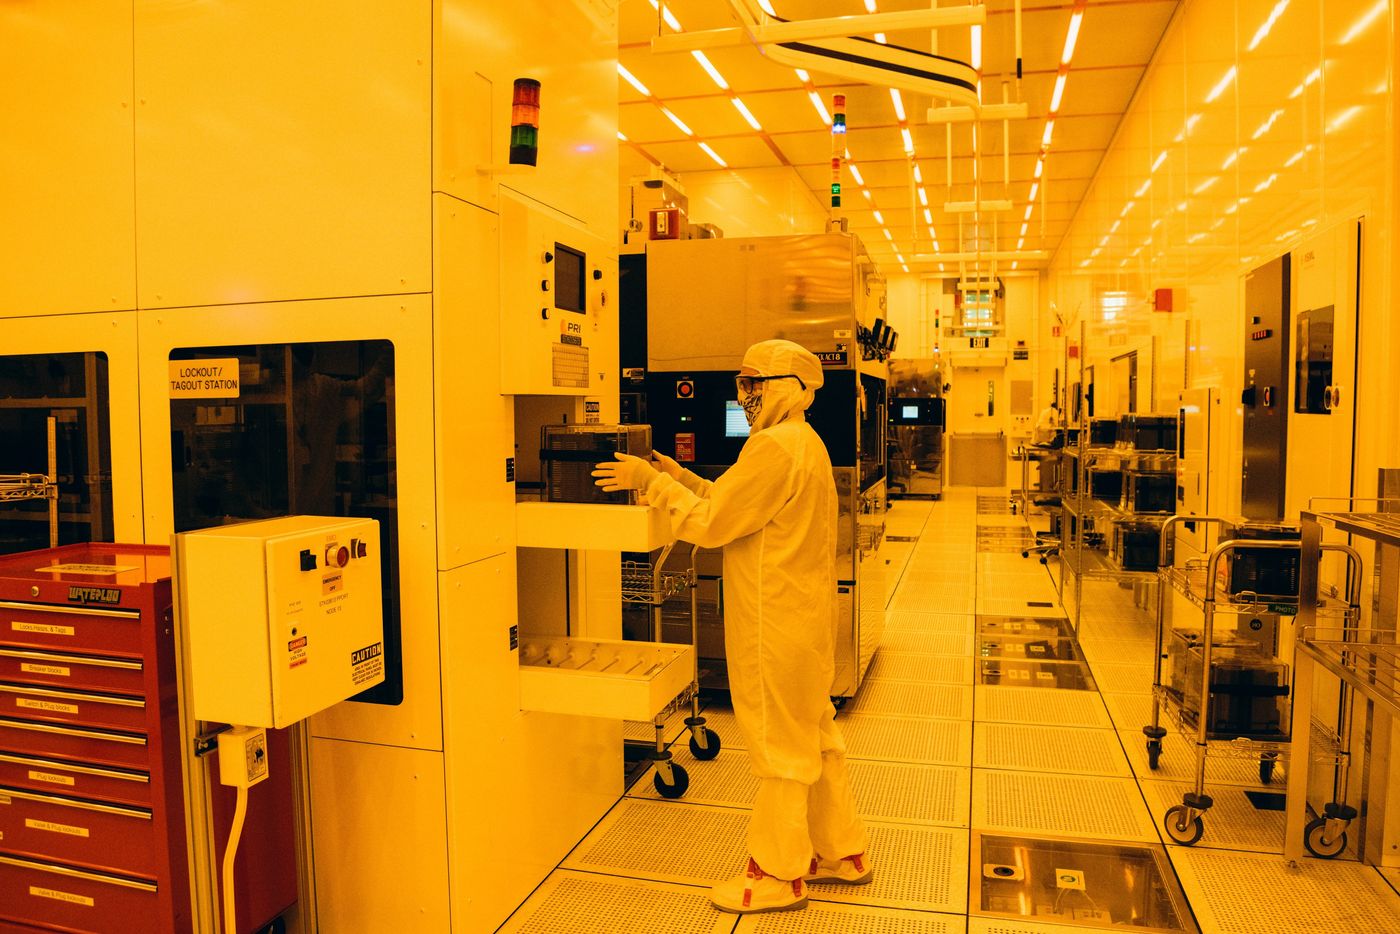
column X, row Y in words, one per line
column 48, row 629
column 296, row 652
column 51, row 827
column 106, row 570
column 58, row 896
column 56, row 670
column 367, row 664
column 204, row 379
column 47, row 705
column 50, row 777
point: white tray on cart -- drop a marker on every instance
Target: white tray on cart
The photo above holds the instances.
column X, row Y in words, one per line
column 602, row 678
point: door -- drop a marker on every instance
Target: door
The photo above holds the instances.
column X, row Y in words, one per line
column 1267, row 295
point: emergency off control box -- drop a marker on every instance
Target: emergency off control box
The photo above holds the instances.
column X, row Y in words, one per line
column 283, row 617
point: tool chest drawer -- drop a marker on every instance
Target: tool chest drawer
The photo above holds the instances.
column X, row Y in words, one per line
column 71, row 628
column 72, row 830
column 86, row 708
column 83, row 779
column 73, row 899
column 66, row 670
column 100, row 747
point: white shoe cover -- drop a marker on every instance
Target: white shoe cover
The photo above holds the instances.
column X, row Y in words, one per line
column 850, row 870
column 757, row 891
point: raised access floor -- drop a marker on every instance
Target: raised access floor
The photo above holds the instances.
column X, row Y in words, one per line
column 970, row 747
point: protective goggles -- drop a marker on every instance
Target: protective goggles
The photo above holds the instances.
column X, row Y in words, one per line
column 747, row 384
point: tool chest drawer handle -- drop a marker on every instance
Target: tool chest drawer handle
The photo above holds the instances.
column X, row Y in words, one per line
column 96, row 661
column 78, row 873
column 121, row 700
column 79, row 803
column 134, row 739
column 60, row 766
column 69, row 610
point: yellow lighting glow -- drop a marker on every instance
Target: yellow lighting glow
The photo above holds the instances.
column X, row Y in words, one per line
column 1071, row 37
column 1059, row 91
column 1342, row 119
column 1268, row 24
column 923, row 197
column 1204, row 186
column 710, row 70
column 714, row 155
column 1366, row 21
column 744, row 112
column 821, row 108
column 908, row 140
column 918, row 174
column 677, row 121
column 631, row 79
column 1048, row 134
column 879, row 218
column 1268, row 124
column 767, row 7
column 898, row 104
column 977, row 48
column 855, row 173
column 1221, row 85
column 1039, row 167
column 1157, row 163
column 1035, row 189
column 928, row 216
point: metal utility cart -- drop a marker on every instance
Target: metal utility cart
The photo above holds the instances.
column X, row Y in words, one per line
column 21, row 487
column 1367, row 661
column 646, row 583
column 1198, row 582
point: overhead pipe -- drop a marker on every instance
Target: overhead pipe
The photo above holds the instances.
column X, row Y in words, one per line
column 824, row 28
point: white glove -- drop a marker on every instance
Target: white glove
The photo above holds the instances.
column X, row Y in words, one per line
column 628, row 472
column 666, row 465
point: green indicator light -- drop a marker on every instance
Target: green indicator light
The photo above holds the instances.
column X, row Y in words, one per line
column 836, row 189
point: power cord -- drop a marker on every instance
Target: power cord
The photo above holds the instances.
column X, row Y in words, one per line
column 242, row 764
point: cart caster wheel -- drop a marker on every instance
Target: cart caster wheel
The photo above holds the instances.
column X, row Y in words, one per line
column 1186, row 835
column 1154, row 753
column 1266, row 771
column 1316, row 842
column 1025, row 554
column 711, row 748
column 838, row 702
column 679, row 776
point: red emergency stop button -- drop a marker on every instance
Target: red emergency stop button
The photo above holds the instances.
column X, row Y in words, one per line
column 337, row 556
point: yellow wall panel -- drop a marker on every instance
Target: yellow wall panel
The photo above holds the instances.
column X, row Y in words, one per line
column 282, row 151
column 67, row 234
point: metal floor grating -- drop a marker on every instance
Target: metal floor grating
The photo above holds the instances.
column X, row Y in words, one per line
column 668, row 841
column 1060, row 805
column 922, row 598
column 928, row 622
column 1178, row 763
column 618, row 906
column 928, row 643
column 827, row 918
column 1119, row 651
column 721, row 720
column 1241, row 893
column 1232, row 823
column 904, row 739
column 1033, row 748
column 1025, row 605
column 935, row 669
column 923, row 868
column 1048, row 706
column 1129, row 711
column 1116, row 678
column 947, row 701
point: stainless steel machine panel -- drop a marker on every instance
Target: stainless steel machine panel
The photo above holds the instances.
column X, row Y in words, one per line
column 805, row 289
column 1265, row 399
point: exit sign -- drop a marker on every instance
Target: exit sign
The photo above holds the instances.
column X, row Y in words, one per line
column 979, row 343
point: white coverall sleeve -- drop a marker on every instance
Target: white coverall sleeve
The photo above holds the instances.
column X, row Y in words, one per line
column 695, row 483
column 743, row 500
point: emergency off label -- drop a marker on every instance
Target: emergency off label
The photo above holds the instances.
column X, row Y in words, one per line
column 204, row 379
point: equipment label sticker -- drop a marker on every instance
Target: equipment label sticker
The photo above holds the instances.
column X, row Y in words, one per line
column 838, row 357
column 51, row 778
column 332, row 582
column 50, row 706
column 204, row 379
column 296, row 652
column 367, row 664
column 48, row 629
column 94, row 595
column 106, row 570
column 51, row 827
column 33, row 669
column 58, row 896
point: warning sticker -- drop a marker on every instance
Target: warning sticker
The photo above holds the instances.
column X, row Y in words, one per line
column 296, row 652
column 56, row 895
column 367, row 664
column 204, row 379
column 107, row 570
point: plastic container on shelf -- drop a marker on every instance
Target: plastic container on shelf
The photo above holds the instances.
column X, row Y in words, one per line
column 1267, row 572
column 569, row 452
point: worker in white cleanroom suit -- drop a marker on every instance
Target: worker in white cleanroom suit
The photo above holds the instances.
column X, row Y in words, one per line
column 774, row 513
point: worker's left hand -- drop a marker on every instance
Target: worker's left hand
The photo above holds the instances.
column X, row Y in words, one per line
column 626, row 473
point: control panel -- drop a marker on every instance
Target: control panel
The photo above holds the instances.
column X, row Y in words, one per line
column 283, row 616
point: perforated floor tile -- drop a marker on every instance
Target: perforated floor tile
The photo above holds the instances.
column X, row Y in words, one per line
column 915, row 867
column 722, row 721
column 1232, row 823
column 928, row 622
column 948, row 701
column 1033, row 603
column 906, row 739
column 828, row 918
column 1119, row 651
column 1031, row 748
column 996, row 704
column 935, row 669
column 1060, row 805
column 570, row 902
column 1178, row 763
column 928, row 599
column 927, row 643
column 643, row 731
column 1319, row 897
column 668, row 841
column 1129, row 711
column 1122, row 678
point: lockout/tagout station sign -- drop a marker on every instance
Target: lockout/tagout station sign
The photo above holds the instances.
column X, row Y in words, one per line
column 204, row 379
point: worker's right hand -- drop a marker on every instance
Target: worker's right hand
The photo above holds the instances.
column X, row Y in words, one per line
column 666, row 465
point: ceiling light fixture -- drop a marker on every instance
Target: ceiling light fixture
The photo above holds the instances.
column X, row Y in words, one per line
column 677, row 121
column 1126, row 208
column 923, row 198
column 1222, row 84
column 1048, row 134
column 1263, row 30
column 855, row 173
column 767, row 7
column 1039, row 166
column 622, row 136
column 1059, row 91
column 880, row 38
column 898, row 104
column 1293, row 159
column 821, row 108
column 802, row 75
column 632, row 80
column 918, row 174
column 1072, row 36
column 1232, row 158
column 1024, row 227
column 1204, row 186
column 1365, row 22
column 928, row 216
column 1035, row 188
column 1142, row 189
column 1268, row 124
column 710, row 69
column 714, row 155
column 888, row 236
column 1029, row 208
column 744, row 111
column 977, row 49
column 1342, row 119
column 879, row 218
column 908, row 141
column 1157, row 163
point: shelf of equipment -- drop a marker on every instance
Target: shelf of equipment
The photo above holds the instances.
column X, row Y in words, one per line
column 23, row 487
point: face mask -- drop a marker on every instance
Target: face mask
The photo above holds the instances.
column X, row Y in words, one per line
column 752, row 404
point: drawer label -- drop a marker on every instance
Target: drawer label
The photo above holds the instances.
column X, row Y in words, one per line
column 51, row 827
column 50, row 777
column 50, row 706
column 58, row 896
column 48, row 629
column 34, row 669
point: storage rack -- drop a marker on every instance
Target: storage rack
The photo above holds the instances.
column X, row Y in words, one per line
column 1309, row 740
column 22, row 487
column 1367, row 661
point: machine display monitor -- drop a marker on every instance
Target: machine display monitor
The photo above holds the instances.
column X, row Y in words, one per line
column 735, row 424
column 569, row 291
column 909, row 411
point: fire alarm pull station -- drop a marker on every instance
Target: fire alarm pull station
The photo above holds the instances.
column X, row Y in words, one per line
column 283, row 616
